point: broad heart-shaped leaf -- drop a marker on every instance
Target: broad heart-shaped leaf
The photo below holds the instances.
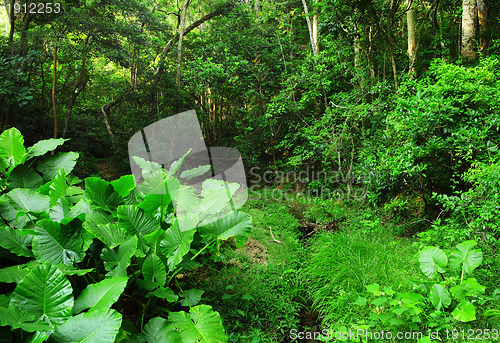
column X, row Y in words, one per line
column 110, row 234
column 24, row 177
column 157, row 331
column 14, row 274
column 147, row 167
column 164, row 293
column 234, row 224
column 102, row 193
column 465, row 312
column 176, row 244
column 440, row 297
column 195, row 172
column 51, row 166
column 58, row 187
column 432, row 260
column 100, row 296
column 11, row 240
column 12, row 150
column 191, row 297
column 469, row 287
column 466, row 258
column 202, row 324
column 153, row 270
column 16, row 318
column 29, row 200
column 118, row 259
column 42, row 147
column 137, row 222
column 46, row 293
column 61, row 212
column 56, row 244
column 124, row 185
column 89, row 327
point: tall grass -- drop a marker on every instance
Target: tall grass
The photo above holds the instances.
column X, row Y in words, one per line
column 342, row 263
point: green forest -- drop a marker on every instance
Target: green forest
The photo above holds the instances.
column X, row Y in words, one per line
column 340, row 182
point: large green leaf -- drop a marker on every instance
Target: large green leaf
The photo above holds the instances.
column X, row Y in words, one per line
column 102, row 193
column 29, row 200
column 153, row 270
column 465, row 312
column 124, row 185
column 89, row 327
column 11, row 240
column 158, row 331
column 118, row 259
column 24, row 177
column 56, row 244
column 176, row 244
column 202, row 324
column 164, row 293
column 432, row 260
column 58, row 187
column 14, row 274
column 42, row 147
column 235, row 224
column 466, row 258
column 61, row 212
column 46, row 293
column 136, row 221
column 12, row 150
column 100, row 296
column 19, row 319
column 51, row 166
column 110, row 234
column 440, row 297
column 195, row 172
column 191, row 297
column 469, row 287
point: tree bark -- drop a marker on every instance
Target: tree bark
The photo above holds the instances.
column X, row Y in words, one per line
column 12, row 21
column 309, row 27
column 482, row 14
column 54, row 80
column 315, row 32
column 181, row 37
column 468, row 29
column 412, row 50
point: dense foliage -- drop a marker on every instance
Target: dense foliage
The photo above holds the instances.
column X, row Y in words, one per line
column 372, row 124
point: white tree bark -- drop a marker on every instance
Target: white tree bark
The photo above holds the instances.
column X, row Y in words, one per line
column 468, row 29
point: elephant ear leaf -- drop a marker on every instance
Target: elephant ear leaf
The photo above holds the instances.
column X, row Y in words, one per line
column 102, row 193
column 11, row 240
column 235, row 224
column 432, row 260
column 154, row 270
column 465, row 257
column 157, row 330
column 12, row 150
column 46, row 293
column 100, row 296
column 52, row 165
column 44, row 146
column 95, row 327
column 202, row 324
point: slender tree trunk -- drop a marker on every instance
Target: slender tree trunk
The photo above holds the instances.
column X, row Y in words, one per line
column 482, row 14
column 23, row 40
column 412, row 49
column 309, row 27
column 315, row 32
column 54, row 80
column 12, row 20
column 77, row 88
column 468, row 29
column 181, row 37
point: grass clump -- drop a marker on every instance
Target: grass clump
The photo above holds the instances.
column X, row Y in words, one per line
column 341, row 264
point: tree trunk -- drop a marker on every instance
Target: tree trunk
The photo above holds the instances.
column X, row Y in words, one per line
column 12, row 21
column 54, row 80
column 181, row 37
column 23, row 40
column 412, row 50
column 468, row 29
column 315, row 32
column 309, row 27
column 482, row 14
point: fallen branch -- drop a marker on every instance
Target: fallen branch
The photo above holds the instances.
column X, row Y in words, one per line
column 274, row 239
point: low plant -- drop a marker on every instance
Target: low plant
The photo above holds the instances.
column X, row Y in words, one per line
column 440, row 304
